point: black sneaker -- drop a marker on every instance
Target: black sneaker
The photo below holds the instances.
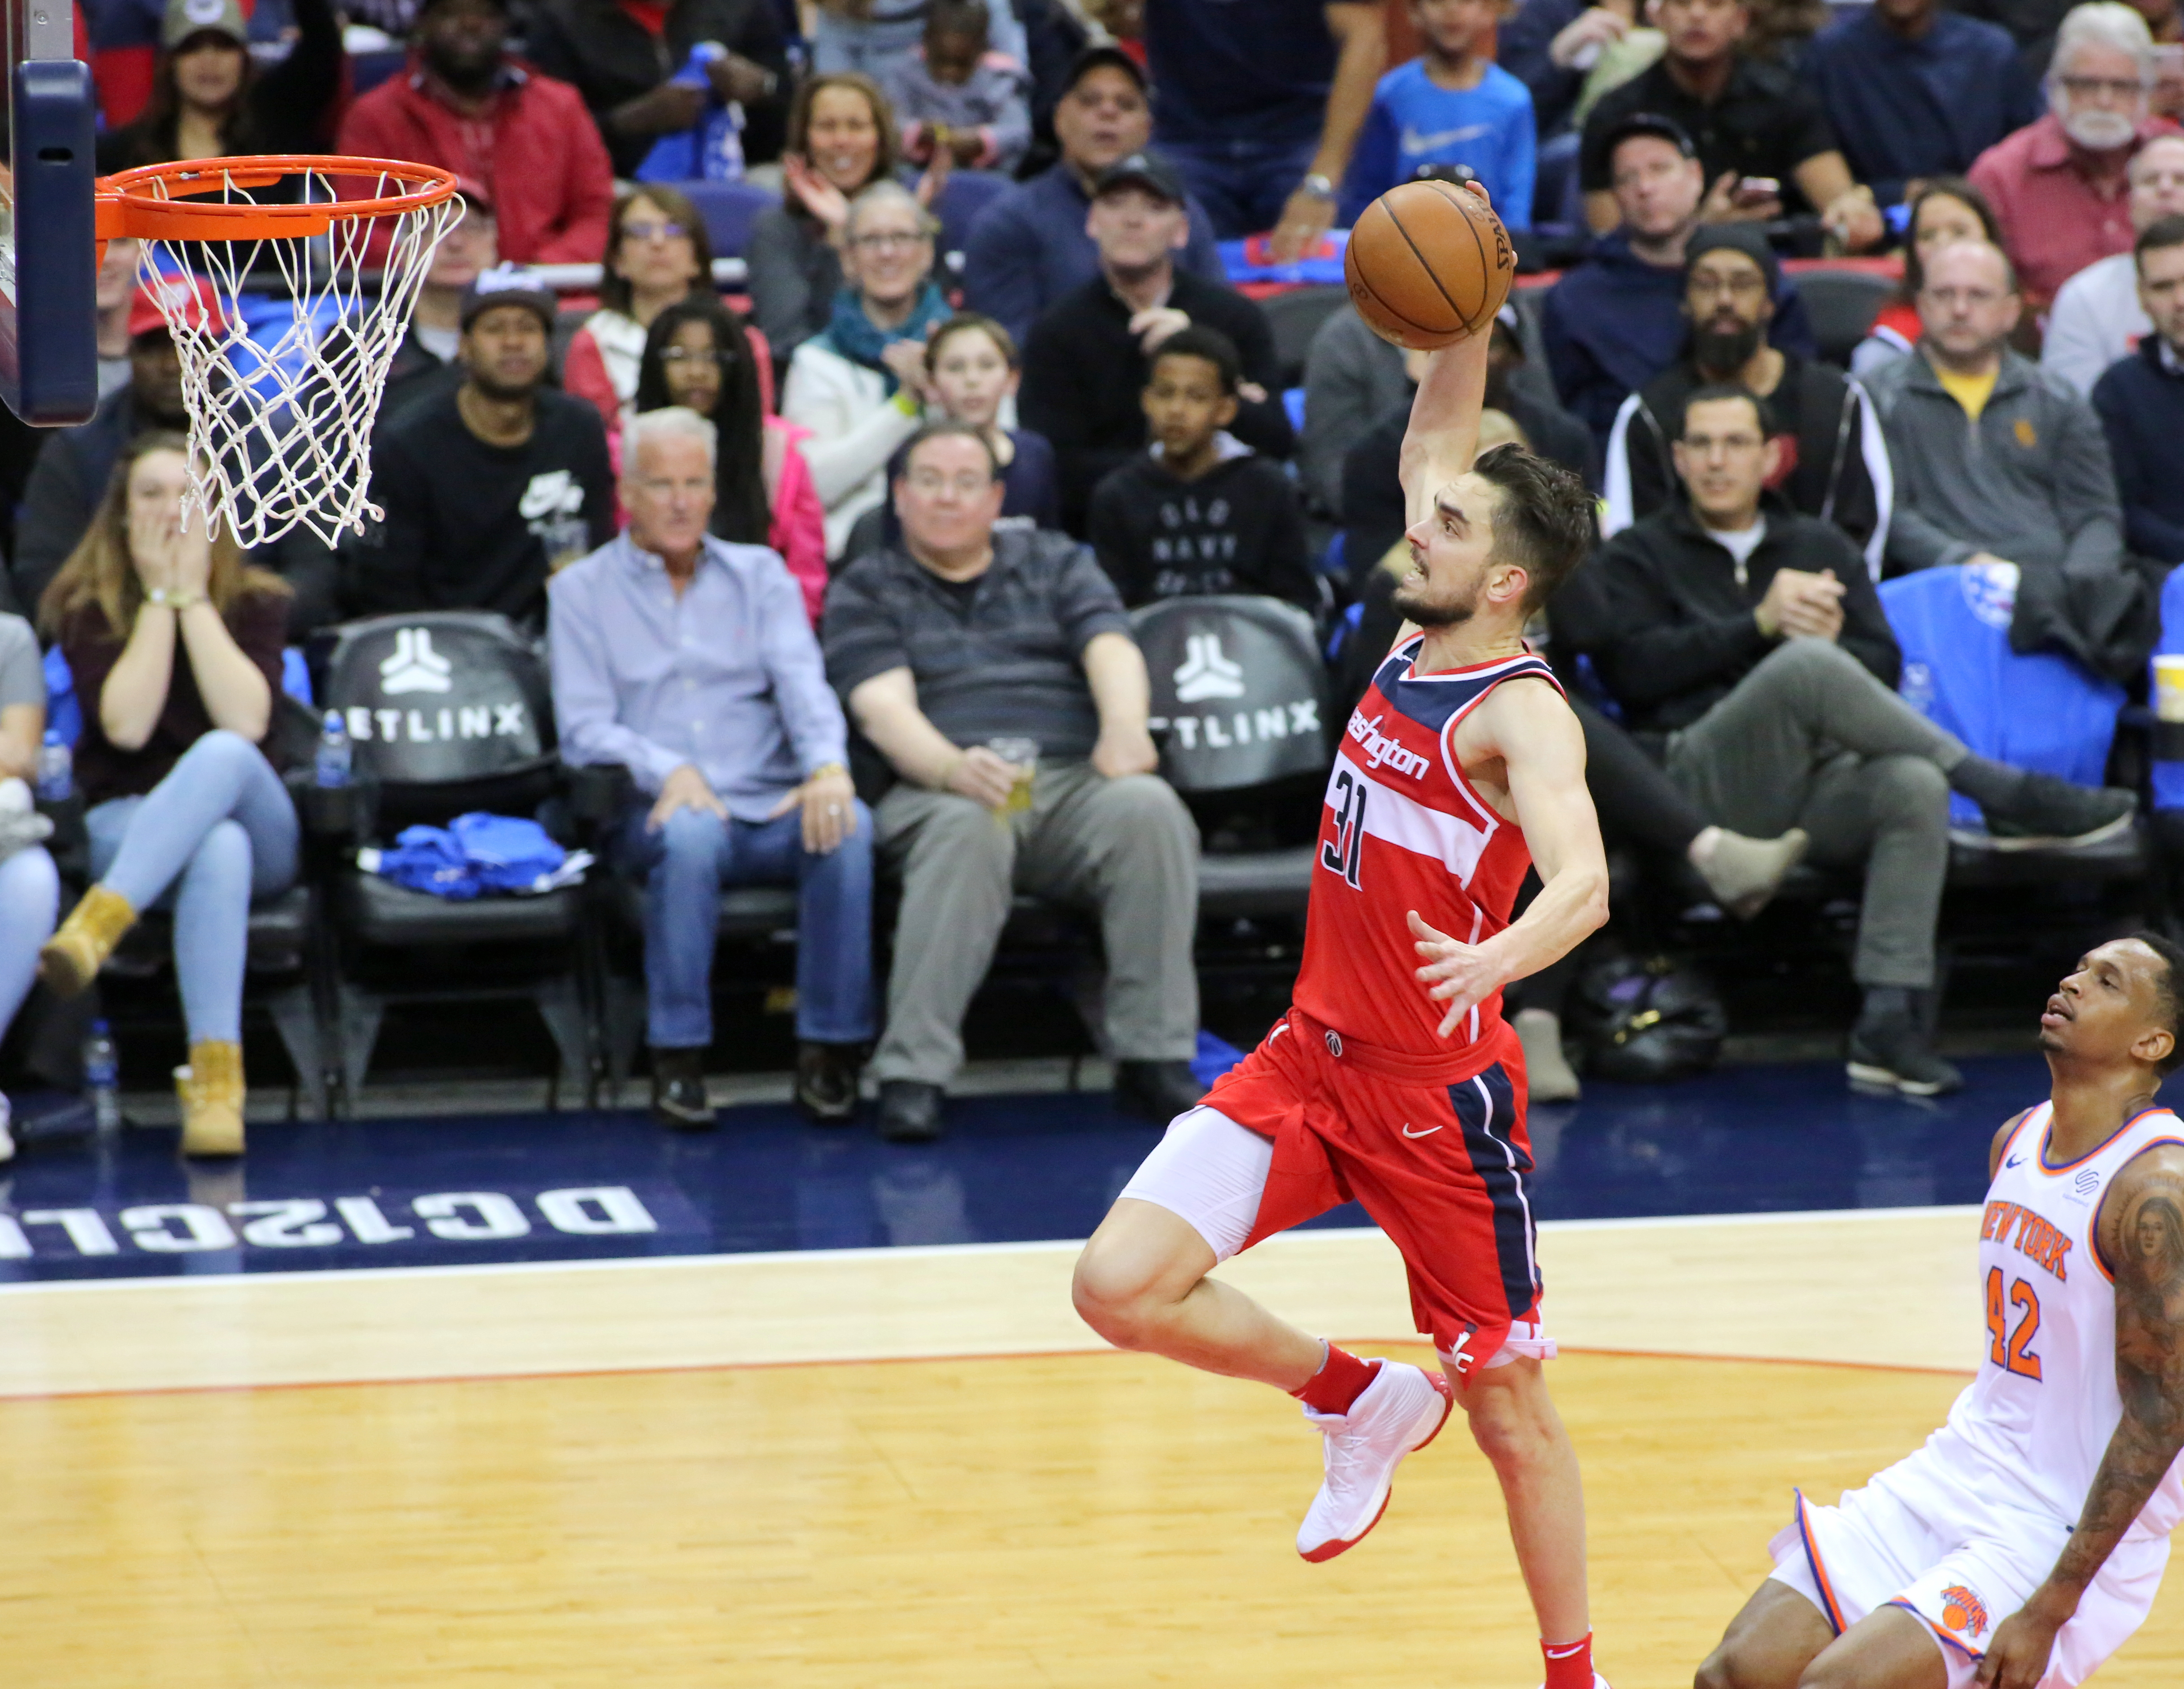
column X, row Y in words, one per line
column 910, row 1111
column 826, row 1082
column 1895, row 1054
column 1155, row 1090
column 2047, row 811
column 678, row 1090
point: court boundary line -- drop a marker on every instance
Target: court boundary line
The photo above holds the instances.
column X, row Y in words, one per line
column 899, row 1252
column 1414, row 1341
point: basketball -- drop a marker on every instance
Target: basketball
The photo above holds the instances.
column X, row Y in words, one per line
column 1428, row 263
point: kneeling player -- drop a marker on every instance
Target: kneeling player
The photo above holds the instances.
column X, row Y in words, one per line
column 2024, row 1543
column 1398, row 1083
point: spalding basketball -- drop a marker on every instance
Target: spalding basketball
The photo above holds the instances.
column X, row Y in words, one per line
column 1428, row 263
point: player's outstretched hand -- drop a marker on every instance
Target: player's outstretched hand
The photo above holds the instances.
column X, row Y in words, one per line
column 1460, row 975
column 2017, row 1657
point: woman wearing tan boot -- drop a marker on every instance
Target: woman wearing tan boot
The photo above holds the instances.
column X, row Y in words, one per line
column 174, row 644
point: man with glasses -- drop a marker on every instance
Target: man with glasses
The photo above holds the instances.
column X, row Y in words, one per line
column 1834, row 464
column 1749, row 642
column 2098, row 318
column 2061, row 187
column 996, row 675
column 1998, row 460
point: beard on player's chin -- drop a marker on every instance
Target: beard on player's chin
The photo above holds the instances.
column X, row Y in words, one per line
column 1415, row 603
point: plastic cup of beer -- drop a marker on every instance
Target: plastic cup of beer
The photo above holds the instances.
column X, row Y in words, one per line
column 2168, row 687
column 1023, row 755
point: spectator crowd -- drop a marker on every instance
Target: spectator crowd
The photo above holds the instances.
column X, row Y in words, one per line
column 833, row 470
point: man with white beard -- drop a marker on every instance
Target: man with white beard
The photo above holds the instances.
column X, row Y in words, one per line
column 2061, row 186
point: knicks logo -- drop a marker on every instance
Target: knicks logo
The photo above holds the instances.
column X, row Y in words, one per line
column 1962, row 1612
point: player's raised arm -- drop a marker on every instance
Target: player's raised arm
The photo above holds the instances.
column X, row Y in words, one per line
column 1443, row 437
column 1542, row 747
column 2141, row 1240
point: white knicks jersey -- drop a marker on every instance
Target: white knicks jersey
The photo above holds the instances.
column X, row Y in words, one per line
column 2029, row 1432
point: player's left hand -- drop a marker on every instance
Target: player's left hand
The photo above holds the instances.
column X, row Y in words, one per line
column 1460, row 975
column 2017, row 1657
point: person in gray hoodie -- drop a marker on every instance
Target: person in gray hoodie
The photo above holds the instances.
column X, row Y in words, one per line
column 1996, row 459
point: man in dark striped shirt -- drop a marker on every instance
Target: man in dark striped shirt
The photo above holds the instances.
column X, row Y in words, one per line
column 996, row 674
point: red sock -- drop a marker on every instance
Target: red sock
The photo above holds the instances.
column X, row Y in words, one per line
column 1569, row 1665
column 1340, row 1380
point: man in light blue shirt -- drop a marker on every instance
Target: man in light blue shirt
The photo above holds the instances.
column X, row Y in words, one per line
column 1451, row 105
column 689, row 661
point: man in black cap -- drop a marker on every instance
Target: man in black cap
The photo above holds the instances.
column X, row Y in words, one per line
column 1029, row 247
column 1615, row 321
column 490, row 486
column 1832, row 462
column 1761, row 136
column 1085, row 362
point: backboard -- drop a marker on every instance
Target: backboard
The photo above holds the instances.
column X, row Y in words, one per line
column 48, row 256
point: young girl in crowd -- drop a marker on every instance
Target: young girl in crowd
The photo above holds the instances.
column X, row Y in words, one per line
column 210, row 101
column 698, row 355
column 174, row 644
column 657, row 256
column 970, row 375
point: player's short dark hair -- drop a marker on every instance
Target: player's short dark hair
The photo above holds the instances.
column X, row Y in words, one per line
column 1713, row 392
column 948, row 428
column 2169, row 1004
column 1210, row 344
column 2162, row 233
column 1545, row 522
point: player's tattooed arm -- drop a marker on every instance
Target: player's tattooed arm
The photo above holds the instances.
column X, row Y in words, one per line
column 2140, row 1235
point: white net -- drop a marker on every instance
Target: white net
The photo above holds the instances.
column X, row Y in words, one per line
column 285, row 344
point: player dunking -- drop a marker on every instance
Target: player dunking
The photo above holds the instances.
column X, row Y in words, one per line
column 2024, row 1543
column 1397, row 1084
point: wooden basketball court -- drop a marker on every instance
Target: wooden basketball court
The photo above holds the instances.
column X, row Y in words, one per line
column 911, row 1468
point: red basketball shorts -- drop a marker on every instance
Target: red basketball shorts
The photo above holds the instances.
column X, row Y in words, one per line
column 1439, row 1165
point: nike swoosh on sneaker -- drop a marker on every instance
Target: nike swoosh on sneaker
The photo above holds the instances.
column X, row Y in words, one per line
column 1428, row 1133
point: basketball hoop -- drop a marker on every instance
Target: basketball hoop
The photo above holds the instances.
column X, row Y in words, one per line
column 283, row 388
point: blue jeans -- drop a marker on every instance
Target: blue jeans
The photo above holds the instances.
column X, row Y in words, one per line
column 688, row 862
column 1242, row 183
column 218, row 832
column 30, row 903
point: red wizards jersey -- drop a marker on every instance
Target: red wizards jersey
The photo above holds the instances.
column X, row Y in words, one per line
column 1403, row 830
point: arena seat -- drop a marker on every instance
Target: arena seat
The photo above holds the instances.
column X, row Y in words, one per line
column 1842, row 305
column 967, row 193
column 450, row 712
column 729, row 208
column 1295, row 315
column 1240, row 698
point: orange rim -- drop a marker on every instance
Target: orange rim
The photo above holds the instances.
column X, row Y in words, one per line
column 157, row 202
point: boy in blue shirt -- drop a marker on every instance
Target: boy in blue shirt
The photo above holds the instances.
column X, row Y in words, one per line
column 1451, row 105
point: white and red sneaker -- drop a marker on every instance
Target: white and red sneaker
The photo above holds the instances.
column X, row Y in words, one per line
column 1401, row 1410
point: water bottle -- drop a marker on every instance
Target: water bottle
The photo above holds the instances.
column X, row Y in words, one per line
column 102, row 1078
column 56, row 770
column 333, row 758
